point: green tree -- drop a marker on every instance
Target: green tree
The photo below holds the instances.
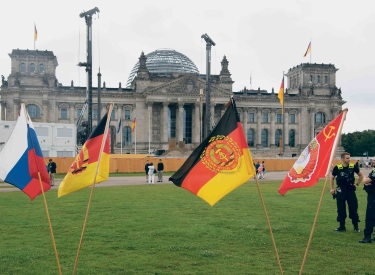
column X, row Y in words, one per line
column 358, row 143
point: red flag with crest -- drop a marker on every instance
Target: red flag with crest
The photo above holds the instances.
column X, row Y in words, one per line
column 315, row 160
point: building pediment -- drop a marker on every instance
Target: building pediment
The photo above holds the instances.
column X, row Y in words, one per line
column 189, row 85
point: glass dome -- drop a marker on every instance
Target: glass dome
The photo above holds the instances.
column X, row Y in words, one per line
column 163, row 62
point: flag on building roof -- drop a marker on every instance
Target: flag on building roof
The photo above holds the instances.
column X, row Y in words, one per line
column 308, row 50
column 21, row 158
column 35, row 33
column 314, row 162
column 281, row 93
column 220, row 164
column 134, row 124
column 119, row 125
column 85, row 170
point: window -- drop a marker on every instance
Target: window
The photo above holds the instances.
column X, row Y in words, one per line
column 64, row 132
column 320, row 118
column 187, row 124
column 33, row 110
column 79, row 110
column 41, row 68
column 278, row 137
column 264, row 138
column 64, row 113
column 265, row 117
column 23, row 68
column 311, row 78
column 318, row 79
column 65, row 153
column 250, row 137
column 292, row 118
column 45, row 153
column 112, row 136
column 41, row 131
column 172, row 122
column 127, row 139
column 95, row 114
column 279, row 118
column 127, row 114
column 292, row 137
column 325, row 79
column 32, row 68
column 113, row 114
column 251, row 117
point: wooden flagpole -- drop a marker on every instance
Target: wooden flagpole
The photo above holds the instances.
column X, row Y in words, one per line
column 92, row 186
column 45, row 205
column 269, row 225
column 322, row 195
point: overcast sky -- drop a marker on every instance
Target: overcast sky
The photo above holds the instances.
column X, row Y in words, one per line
column 259, row 38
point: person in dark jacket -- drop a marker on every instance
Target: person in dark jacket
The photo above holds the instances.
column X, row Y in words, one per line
column 160, row 171
column 146, row 169
column 52, row 171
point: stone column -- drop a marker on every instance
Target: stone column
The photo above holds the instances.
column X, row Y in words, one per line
column 259, row 129
column 164, row 134
column 273, row 120
column 245, row 119
column 179, row 122
column 149, row 124
column 118, row 116
column 45, row 110
column 16, row 108
column 196, row 125
column 71, row 113
column 286, row 129
column 312, row 125
column 212, row 110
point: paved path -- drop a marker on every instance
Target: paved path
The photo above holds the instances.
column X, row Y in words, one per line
column 138, row 180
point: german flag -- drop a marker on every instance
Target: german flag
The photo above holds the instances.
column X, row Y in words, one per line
column 84, row 168
column 308, row 49
column 134, row 124
column 220, row 164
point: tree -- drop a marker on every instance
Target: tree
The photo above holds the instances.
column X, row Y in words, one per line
column 358, row 143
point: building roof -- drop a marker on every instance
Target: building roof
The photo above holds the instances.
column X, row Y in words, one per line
column 35, row 53
column 165, row 62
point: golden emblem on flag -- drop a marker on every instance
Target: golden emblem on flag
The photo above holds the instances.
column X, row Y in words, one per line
column 221, row 155
column 306, row 163
column 80, row 163
column 329, row 135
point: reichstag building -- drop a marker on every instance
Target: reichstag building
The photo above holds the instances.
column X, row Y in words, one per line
column 166, row 93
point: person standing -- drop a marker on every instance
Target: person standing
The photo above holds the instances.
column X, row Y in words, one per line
column 52, row 171
column 345, row 191
column 151, row 173
column 160, row 171
column 369, row 187
column 260, row 172
column 146, row 169
column 256, row 168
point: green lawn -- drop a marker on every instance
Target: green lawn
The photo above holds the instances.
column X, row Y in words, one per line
column 163, row 229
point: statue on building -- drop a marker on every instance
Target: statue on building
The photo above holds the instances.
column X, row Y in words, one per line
column 56, row 83
column 17, row 82
column 311, row 90
column 104, row 85
column 339, row 92
column 3, row 81
column 45, row 80
column 299, row 90
column 72, row 84
column 119, row 85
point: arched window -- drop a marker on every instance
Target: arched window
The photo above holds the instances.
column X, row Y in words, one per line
column 264, row 138
column 325, row 79
column 320, row 117
column 250, row 138
column 112, row 136
column 292, row 138
column 277, row 137
column 32, row 68
column 41, row 68
column 23, row 68
column 311, row 78
column 33, row 110
column 318, row 79
column 127, row 136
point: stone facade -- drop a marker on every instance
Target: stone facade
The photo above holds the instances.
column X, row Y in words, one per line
column 169, row 107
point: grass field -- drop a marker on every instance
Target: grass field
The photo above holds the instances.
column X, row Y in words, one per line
column 163, row 229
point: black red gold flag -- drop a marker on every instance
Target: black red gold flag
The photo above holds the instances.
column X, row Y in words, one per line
column 220, row 164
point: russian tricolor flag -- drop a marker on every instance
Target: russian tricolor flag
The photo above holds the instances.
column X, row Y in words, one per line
column 21, row 158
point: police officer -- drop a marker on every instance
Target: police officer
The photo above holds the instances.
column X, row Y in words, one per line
column 369, row 186
column 345, row 191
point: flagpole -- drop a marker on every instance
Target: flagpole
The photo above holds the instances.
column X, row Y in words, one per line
column 269, row 225
column 283, row 119
column 45, row 205
column 135, row 143
column 322, row 195
column 121, row 139
column 34, row 36
column 310, row 50
column 105, row 136
column 149, row 132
